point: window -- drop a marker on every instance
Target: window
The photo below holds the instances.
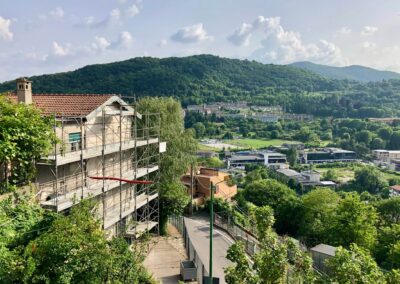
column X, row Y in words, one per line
column 75, row 140
column 21, row 87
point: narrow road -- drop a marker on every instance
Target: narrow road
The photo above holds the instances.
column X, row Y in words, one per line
column 198, row 231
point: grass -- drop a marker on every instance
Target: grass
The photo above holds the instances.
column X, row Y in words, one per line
column 203, row 147
column 258, row 143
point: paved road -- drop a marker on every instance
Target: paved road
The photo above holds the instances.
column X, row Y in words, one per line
column 198, row 230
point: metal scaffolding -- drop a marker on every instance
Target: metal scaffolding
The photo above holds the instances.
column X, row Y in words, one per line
column 117, row 142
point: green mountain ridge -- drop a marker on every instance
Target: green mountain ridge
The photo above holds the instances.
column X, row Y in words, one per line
column 200, row 77
column 207, row 78
column 352, row 72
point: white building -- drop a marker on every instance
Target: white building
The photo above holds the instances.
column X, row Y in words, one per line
column 99, row 136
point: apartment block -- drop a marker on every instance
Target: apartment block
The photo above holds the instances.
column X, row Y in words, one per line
column 103, row 143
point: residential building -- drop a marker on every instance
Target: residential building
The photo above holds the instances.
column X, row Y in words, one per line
column 202, row 180
column 266, row 158
column 394, row 190
column 385, row 156
column 99, row 136
column 309, row 178
column 206, row 154
column 327, row 155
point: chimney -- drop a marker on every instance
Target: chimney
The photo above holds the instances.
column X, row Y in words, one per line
column 24, row 91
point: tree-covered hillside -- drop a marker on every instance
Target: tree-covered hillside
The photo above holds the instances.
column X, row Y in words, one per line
column 353, row 72
column 203, row 77
column 206, row 78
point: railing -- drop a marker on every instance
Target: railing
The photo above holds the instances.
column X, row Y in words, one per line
column 179, row 223
column 81, row 185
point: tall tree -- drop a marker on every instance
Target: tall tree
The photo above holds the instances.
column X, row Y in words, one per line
column 355, row 222
column 25, row 135
column 369, row 179
column 181, row 147
column 319, row 210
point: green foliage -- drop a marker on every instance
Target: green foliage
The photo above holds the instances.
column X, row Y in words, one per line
column 369, row 179
column 271, row 264
column 281, row 198
column 354, row 266
column 389, row 210
column 42, row 248
column 181, row 147
column 319, row 213
column 213, row 162
column 355, row 222
column 24, row 137
column 292, row 156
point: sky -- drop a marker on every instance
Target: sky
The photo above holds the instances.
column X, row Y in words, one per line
column 48, row 36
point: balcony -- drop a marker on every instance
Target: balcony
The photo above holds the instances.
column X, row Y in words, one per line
column 140, row 228
column 119, row 211
column 73, row 151
column 70, row 190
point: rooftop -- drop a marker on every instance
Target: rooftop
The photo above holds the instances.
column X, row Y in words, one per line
column 288, row 172
column 67, row 105
column 396, row 187
column 325, row 249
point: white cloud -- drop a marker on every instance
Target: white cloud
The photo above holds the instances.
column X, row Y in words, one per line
column 132, row 11
column 241, row 36
column 58, row 13
column 369, row 31
column 100, row 43
column 284, row 46
column 162, row 42
column 191, row 34
column 369, row 45
column 5, row 32
column 125, row 40
column 344, row 31
column 61, row 51
column 114, row 17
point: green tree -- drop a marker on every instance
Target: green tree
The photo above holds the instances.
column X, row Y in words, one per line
column 364, row 136
column 319, row 209
column 181, row 149
column 354, row 266
column 331, row 174
column 385, row 133
column 281, row 198
column 25, row 136
column 273, row 260
column 387, row 250
column 200, row 129
column 389, row 210
column 42, row 247
column 355, row 222
column 292, row 155
column 394, row 142
column 377, row 143
column 369, row 179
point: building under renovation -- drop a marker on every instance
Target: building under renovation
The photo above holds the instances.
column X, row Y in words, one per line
column 100, row 136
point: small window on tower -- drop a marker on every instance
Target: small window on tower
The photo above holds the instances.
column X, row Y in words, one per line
column 21, row 86
column 26, row 86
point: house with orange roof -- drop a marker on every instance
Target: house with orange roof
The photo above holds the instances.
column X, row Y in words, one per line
column 202, row 181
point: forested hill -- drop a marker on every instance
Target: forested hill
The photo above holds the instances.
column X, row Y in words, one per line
column 201, row 77
column 353, row 72
column 206, row 78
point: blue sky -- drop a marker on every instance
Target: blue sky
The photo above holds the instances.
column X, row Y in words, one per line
column 49, row 36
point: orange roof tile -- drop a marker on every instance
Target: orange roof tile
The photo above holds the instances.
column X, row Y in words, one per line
column 66, row 105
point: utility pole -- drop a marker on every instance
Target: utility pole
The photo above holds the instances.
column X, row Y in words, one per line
column 191, row 188
column 211, row 231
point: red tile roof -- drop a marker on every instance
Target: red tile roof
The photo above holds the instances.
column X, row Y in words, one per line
column 395, row 188
column 66, row 105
